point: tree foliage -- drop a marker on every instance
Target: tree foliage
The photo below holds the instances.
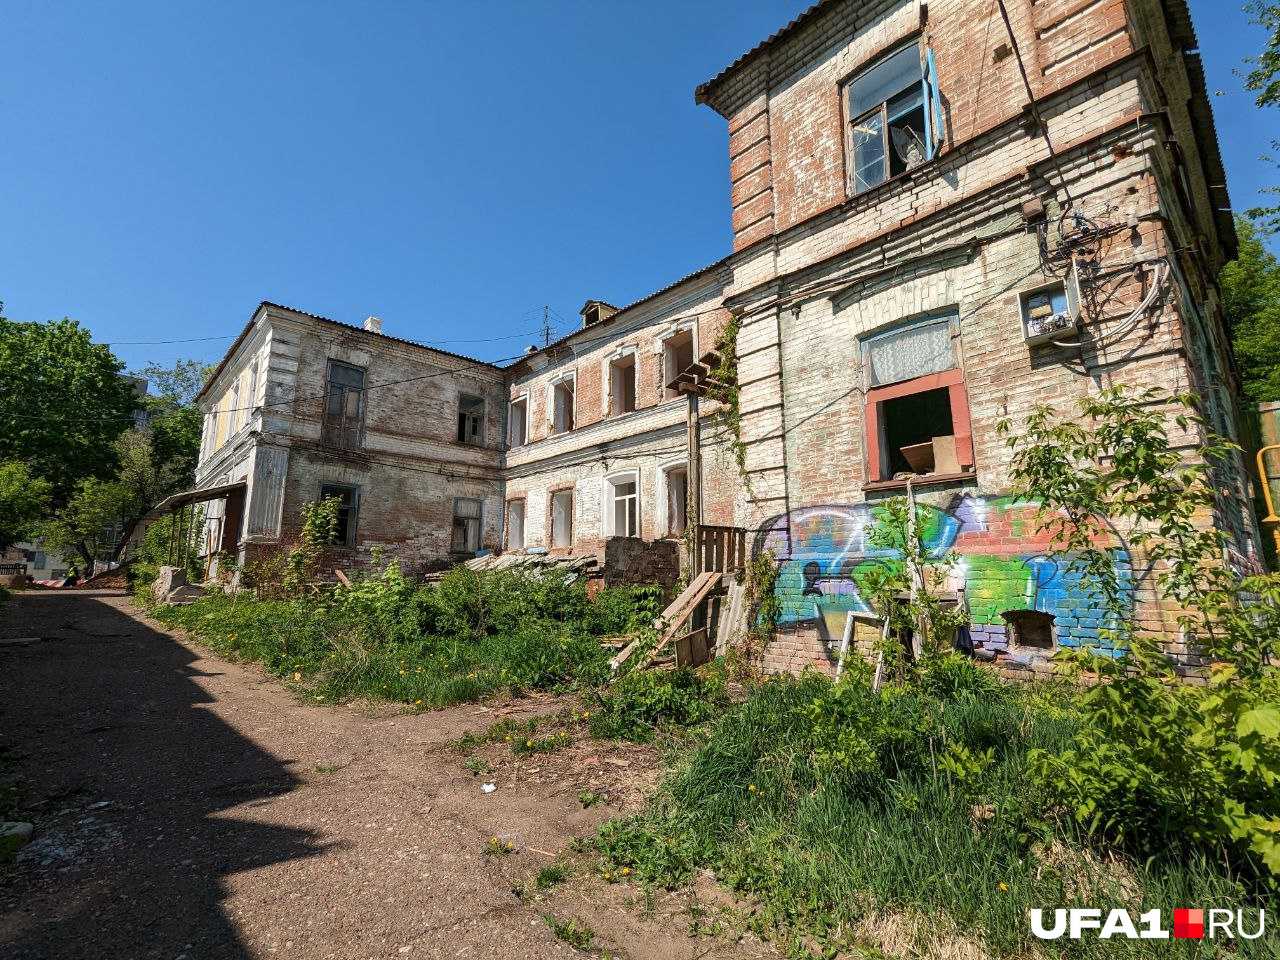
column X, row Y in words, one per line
column 153, row 460
column 1264, row 80
column 1156, row 763
column 1251, row 307
column 63, row 400
column 24, row 498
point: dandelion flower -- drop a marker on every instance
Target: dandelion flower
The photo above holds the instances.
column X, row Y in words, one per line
column 751, row 789
column 417, row 703
column 1004, row 886
column 625, row 871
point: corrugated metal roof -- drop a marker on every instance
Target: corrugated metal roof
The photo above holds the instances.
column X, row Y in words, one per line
column 621, row 310
column 337, row 323
column 704, row 89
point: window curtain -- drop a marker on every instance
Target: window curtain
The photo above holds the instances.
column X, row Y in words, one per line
column 914, row 351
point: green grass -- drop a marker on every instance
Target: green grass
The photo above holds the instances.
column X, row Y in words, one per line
column 425, row 648
column 574, row 932
column 830, row 810
column 549, row 876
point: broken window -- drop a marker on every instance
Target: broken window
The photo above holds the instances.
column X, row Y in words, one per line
column 623, row 505
column 1030, row 629
column 515, row 525
column 467, row 514
column 562, row 406
column 677, row 501
column 562, row 518
column 471, row 420
column 917, row 411
column 344, row 406
column 894, row 114
column 622, row 385
column 677, row 353
column 518, row 423
column 348, row 510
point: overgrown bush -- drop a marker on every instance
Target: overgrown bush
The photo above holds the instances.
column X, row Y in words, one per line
column 647, row 700
column 469, row 636
column 1156, row 763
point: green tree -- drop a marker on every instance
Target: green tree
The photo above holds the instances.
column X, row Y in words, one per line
column 80, row 526
column 24, row 498
column 1264, row 80
column 154, row 459
column 1158, row 764
column 63, row 402
column 174, row 419
column 1250, row 288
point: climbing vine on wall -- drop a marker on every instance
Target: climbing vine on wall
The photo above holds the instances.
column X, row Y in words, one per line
column 724, row 390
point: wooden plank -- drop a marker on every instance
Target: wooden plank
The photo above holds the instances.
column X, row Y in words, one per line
column 674, row 617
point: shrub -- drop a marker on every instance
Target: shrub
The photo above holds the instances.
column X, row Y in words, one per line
column 649, row 699
column 1157, row 764
column 470, row 636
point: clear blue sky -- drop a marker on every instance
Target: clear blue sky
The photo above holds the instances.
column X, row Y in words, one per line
column 449, row 166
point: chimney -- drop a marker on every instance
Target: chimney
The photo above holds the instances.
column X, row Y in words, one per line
column 593, row 311
column 373, row 324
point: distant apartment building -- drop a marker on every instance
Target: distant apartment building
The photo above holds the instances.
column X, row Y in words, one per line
column 943, row 214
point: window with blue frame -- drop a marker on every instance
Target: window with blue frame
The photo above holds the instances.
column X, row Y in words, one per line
column 895, row 115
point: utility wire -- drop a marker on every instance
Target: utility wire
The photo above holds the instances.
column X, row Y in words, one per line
column 273, row 403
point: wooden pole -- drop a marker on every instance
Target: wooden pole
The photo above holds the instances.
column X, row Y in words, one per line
column 694, row 479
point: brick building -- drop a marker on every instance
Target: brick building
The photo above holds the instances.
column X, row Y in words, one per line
column 408, row 437
column 943, row 214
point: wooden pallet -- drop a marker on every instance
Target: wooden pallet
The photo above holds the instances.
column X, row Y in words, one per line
column 674, row 617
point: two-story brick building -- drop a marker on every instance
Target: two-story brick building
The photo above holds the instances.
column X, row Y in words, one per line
column 943, row 214
column 409, row 438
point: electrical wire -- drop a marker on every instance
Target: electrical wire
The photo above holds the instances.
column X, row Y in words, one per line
column 273, row 403
column 1160, row 279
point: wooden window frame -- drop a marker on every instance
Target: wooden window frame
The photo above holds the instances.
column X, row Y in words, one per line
column 353, row 515
column 453, row 520
column 551, row 517
column 483, row 419
column 335, row 430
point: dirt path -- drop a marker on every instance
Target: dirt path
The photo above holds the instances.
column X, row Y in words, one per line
column 186, row 807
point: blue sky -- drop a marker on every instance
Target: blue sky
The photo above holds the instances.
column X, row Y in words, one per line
column 452, row 167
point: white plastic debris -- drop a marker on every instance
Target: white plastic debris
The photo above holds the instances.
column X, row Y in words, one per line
column 489, row 787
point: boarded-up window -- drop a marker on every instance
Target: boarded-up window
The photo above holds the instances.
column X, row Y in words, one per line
column 471, row 420
column 467, row 514
column 344, row 406
column 562, row 518
column 562, row 407
column 677, row 353
column 348, row 511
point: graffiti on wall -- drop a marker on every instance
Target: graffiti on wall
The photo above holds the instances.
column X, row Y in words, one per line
column 1005, row 563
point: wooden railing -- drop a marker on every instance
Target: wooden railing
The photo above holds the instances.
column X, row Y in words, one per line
column 12, row 569
column 720, row 549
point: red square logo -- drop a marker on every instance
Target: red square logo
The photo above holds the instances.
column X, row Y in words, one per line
column 1188, row 924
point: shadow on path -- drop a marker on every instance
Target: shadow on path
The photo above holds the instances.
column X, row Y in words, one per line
column 131, row 785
